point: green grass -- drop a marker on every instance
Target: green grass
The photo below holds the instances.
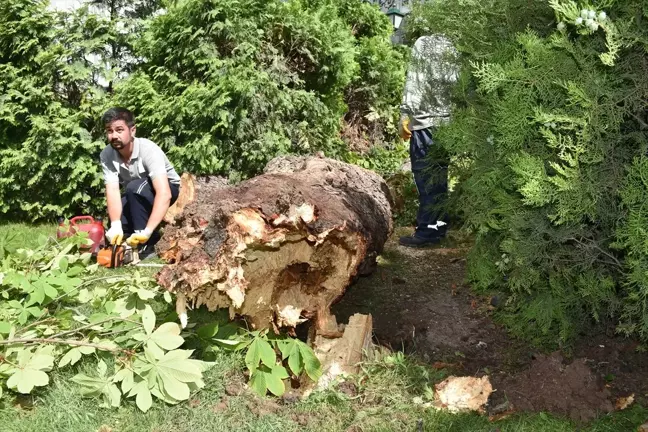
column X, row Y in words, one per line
column 383, row 403
column 384, row 400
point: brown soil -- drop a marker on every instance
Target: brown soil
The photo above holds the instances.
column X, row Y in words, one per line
column 420, row 304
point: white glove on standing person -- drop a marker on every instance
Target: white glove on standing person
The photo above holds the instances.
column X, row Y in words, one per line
column 115, row 234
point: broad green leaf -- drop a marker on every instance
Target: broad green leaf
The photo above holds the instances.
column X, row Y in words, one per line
column 63, row 264
column 287, row 347
column 84, row 295
column 145, row 294
column 154, row 350
column 208, row 331
column 295, row 362
column 260, row 350
column 102, row 368
column 143, row 400
column 113, row 395
column 139, row 337
column 34, row 311
column 280, row 372
column 109, row 306
column 15, row 304
column 24, row 380
column 50, row 291
column 70, row 357
column 37, row 296
column 176, row 389
column 148, row 319
column 311, row 363
column 167, row 336
column 5, row 327
column 75, row 271
column 274, row 382
column 177, row 365
column 127, row 379
column 87, row 350
column 167, row 297
column 258, row 382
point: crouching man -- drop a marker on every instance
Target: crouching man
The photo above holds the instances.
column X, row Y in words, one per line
column 149, row 183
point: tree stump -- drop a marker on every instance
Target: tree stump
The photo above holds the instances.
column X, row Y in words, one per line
column 279, row 248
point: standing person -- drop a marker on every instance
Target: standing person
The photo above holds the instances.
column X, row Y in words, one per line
column 149, row 182
column 425, row 106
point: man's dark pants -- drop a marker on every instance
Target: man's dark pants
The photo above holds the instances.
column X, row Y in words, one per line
column 431, row 178
column 137, row 205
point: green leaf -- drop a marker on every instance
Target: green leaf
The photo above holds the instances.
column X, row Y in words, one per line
column 70, row 357
column 144, row 401
column 102, row 368
column 295, row 362
column 75, row 271
column 5, row 327
column 50, row 291
column 174, row 388
column 24, row 380
column 86, row 350
column 280, row 372
column 36, row 296
column 274, row 381
column 208, row 331
column 148, row 319
column 258, row 382
column 63, row 264
column 113, row 395
column 287, row 347
column 167, row 336
column 127, row 379
column 167, row 297
column 260, row 350
column 152, row 349
column 311, row 363
column 145, row 294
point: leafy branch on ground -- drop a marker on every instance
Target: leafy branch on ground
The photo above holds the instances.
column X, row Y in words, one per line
column 60, row 312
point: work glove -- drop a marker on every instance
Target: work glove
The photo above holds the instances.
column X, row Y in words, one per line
column 404, row 129
column 139, row 237
column 115, row 234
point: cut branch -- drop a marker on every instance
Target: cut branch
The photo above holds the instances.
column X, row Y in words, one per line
column 60, row 342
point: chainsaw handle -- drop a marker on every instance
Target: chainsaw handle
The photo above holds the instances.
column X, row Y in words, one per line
column 75, row 219
column 113, row 256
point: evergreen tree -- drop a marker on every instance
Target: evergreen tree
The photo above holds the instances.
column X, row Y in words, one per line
column 549, row 116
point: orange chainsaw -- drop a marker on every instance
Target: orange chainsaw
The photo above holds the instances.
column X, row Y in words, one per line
column 116, row 256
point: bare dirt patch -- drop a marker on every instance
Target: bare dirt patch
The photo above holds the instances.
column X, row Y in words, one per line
column 420, row 304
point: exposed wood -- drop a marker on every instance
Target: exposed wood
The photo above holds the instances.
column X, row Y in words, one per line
column 280, row 248
column 341, row 356
column 188, row 190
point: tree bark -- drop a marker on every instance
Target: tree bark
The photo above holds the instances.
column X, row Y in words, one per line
column 279, row 248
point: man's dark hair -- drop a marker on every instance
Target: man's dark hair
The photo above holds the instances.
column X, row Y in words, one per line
column 118, row 113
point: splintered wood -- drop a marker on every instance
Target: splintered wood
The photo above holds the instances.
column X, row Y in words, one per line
column 341, row 356
column 280, row 248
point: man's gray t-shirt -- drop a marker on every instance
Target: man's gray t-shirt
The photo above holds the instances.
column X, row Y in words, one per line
column 147, row 160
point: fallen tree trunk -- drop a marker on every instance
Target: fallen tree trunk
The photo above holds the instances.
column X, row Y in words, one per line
column 279, row 248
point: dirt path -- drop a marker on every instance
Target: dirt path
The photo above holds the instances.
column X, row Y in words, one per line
column 420, row 304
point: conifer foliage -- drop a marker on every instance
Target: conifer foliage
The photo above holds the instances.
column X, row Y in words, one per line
column 548, row 142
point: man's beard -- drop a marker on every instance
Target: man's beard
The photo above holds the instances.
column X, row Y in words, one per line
column 117, row 145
